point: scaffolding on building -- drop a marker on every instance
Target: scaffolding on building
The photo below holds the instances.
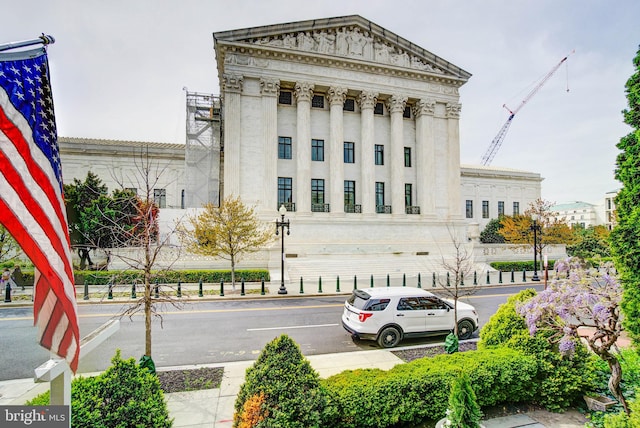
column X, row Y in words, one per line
column 202, row 151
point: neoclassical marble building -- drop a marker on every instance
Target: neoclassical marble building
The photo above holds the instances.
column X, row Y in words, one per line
column 352, row 127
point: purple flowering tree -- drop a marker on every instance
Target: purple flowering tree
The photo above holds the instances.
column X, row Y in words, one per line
column 580, row 298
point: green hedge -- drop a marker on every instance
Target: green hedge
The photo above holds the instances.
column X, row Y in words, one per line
column 164, row 277
column 419, row 390
column 519, row 266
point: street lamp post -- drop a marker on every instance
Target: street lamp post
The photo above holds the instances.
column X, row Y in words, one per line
column 536, row 228
column 280, row 225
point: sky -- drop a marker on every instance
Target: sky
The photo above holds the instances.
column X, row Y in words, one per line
column 119, row 70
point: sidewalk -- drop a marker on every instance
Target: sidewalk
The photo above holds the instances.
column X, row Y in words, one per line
column 215, row 407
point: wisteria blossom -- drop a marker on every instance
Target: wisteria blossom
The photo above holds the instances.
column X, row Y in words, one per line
column 580, row 298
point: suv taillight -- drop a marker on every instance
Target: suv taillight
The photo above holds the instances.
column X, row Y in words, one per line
column 362, row 316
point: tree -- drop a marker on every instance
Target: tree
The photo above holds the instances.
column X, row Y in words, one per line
column 229, row 232
column 9, row 248
column 458, row 268
column 625, row 245
column 518, row 229
column 79, row 199
column 491, row 233
column 592, row 242
column 583, row 298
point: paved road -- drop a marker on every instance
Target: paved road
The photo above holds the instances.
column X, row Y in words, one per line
column 207, row 332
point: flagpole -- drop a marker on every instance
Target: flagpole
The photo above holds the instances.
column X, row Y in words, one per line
column 44, row 39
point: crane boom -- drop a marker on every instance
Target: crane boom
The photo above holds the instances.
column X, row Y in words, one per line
column 497, row 141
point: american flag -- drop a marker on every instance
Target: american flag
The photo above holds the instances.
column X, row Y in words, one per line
column 31, row 200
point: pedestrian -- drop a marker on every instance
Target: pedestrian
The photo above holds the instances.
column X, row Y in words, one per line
column 5, row 279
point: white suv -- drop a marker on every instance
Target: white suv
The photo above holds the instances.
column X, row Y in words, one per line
column 390, row 314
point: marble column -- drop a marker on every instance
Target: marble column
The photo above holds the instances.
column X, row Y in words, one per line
column 453, row 160
column 367, row 101
column 269, row 90
column 232, row 93
column 336, row 97
column 396, row 105
column 304, row 93
column 425, row 157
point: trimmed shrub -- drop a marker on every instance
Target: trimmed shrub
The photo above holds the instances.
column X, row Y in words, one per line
column 292, row 394
column 518, row 266
column 419, row 390
column 123, row 395
column 169, row 277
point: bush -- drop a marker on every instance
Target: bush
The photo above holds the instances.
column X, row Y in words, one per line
column 419, row 390
column 123, row 395
column 519, row 266
column 561, row 380
column 291, row 388
column 464, row 411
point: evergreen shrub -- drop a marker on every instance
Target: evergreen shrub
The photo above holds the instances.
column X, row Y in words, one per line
column 292, row 395
column 123, row 395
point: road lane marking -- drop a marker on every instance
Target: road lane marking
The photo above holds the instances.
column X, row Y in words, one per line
column 292, row 327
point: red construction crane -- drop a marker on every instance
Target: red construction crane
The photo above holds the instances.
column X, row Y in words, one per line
column 497, row 141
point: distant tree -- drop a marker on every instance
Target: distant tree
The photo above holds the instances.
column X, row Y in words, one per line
column 228, row 231
column 79, row 199
column 458, row 267
column 584, row 298
column 491, row 233
column 9, row 248
column 518, row 228
column 592, row 242
column 625, row 244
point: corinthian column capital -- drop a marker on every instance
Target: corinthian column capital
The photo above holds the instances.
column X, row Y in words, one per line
column 304, row 91
column 336, row 95
column 367, row 99
column 453, row 110
column 425, row 107
column 396, row 103
column 232, row 82
column 269, row 86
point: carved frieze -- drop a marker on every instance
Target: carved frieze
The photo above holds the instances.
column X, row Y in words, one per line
column 349, row 42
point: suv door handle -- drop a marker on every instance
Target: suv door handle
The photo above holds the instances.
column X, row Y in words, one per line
column 399, row 315
column 430, row 314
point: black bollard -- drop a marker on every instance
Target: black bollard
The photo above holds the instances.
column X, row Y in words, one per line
column 419, row 281
column 404, row 280
column 338, row 284
column 157, row 290
column 110, row 293
column 133, row 290
column 221, row 288
column 86, row 291
column 319, row 284
column 7, row 293
column 512, row 275
column 301, row 286
column 524, row 275
column 500, row 277
column 388, row 284
column 179, row 289
column 475, row 278
column 242, row 287
column 200, row 288
column 262, row 287
column 434, row 280
column 488, row 279
column 355, row 282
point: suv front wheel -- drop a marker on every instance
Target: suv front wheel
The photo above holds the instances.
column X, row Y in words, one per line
column 389, row 337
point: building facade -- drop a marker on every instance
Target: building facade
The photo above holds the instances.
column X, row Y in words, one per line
column 353, row 128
